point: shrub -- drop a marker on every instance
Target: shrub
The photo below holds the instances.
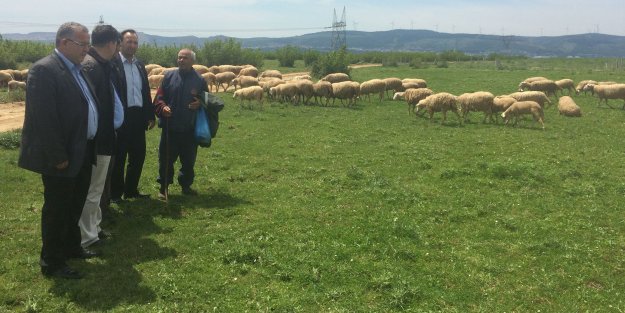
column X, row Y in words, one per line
column 333, row 62
column 11, row 139
column 287, row 55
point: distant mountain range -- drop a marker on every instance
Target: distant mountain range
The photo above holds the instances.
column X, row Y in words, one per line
column 582, row 45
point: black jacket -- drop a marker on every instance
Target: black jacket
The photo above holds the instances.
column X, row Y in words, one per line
column 177, row 91
column 98, row 71
column 55, row 122
column 119, row 78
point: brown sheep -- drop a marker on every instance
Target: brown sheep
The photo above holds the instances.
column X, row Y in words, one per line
column 568, row 107
column 244, row 81
column 524, row 107
column 224, row 78
column 481, row 101
column 155, row 80
column 322, row 89
column 336, row 78
column 413, row 96
column 439, row 102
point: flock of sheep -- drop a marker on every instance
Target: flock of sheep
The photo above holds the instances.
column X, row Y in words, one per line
column 13, row 79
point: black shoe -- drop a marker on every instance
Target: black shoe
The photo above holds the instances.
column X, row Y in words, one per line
column 136, row 195
column 63, row 272
column 103, row 234
column 84, row 254
column 188, row 191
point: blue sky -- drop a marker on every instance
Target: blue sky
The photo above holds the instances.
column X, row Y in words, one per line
column 280, row 18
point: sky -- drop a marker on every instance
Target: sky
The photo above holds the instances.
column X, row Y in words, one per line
column 283, row 18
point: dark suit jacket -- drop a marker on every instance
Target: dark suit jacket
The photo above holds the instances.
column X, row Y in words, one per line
column 120, row 83
column 55, row 122
column 98, row 71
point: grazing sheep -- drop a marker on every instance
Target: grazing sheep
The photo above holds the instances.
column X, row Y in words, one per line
column 249, row 93
column 17, row 75
column 156, row 71
column 534, row 79
column 214, row 69
column 568, row 107
column 413, row 96
column 408, row 85
column 605, row 92
column 244, row 81
column 210, row 80
column 394, row 84
column 537, row 96
column 421, row 83
column 399, row 95
column 5, row 78
column 582, row 84
column 336, row 78
column 269, row 82
column 567, row 84
column 155, row 80
column 373, row 86
column 546, row 86
column 228, row 68
column 524, row 107
column 322, row 89
column 481, row 101
column 347, row 90
column 150, row 67
column 271, row 73
column 249, row 71
column 302, row 77
column 200, row 69
column 439, row 102
column 502, row 103
column 14, row 85
column 284, row 92
column 224, row 78
column 305, row 90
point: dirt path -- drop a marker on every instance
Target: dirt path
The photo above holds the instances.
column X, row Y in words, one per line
column 12, row 114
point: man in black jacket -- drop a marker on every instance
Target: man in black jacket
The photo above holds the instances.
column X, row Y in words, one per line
column 98, row 68
column 60, row 123
column 131, row 81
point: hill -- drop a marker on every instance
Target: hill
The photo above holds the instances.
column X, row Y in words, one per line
column 580, row 45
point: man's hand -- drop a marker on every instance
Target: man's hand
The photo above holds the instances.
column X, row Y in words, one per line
column 195, row 104
column 63, row 165
column 151, row 124
column 166, row 111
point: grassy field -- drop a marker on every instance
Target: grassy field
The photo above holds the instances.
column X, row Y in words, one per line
column 363, row 209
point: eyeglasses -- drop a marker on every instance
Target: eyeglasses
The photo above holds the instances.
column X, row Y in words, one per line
column 80, row 44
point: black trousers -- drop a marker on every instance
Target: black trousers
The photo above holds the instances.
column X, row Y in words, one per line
column 131, row 147
column 64, row 198
column 176, row 145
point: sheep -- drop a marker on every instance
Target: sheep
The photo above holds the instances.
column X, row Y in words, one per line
column 271, row 73
column 413, row 96
column 546, row 86
column 214, row 69
column 439, row 102
column 537, row 96
column 156, row 71
column 150, row 67
column 502, row 103
column 373, row 86
column 249, row 71
column 347, row 90
column 322, row 89
column 284, row 92
column 244, row 81
column 224, row 78
column 17, row 75
column 476, row 101
column 567, row 84
column 534, row 79
column 200, row 69
column 14, row 85
column 249, row 93
column 582, row 84
column 266, row 84
column 5, row 77
column 305, row 90
column 408, row 85
column 228, row 68
column 336, row 78
column 155, row 80
column 393, row 83
column 524, row 107
column 399, row 95
column 302, row 77
column 605, row 92
column 210, row 80
column 421, row 83
column 568, row 107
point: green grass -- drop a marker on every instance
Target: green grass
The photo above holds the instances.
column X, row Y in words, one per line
column 368, row 209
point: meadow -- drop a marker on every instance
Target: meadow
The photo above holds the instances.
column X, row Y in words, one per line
column 362, row 209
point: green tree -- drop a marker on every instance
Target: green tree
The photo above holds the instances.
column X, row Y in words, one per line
column 287, row 55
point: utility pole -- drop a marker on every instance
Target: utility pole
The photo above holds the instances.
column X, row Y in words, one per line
column 339, row 37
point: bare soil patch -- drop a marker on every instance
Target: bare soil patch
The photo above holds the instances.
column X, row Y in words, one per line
column 11, row 116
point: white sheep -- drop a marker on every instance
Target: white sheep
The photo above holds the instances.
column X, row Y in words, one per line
column 345, row 90
column 210, row 80
column 284, row 92
column 249, row 93
column 5, row 78
column 413, row 96
column 481, row 101
column 270, row 73
column 150, row 67
column 502, row 103
column 322, row 89
column 524, row 107
column 155, row 80
column 200, row 69
column 394, row 84
column 421, row 83
column 373, row 86
column 582, row 84
column 156, row 71
column 244, row 81
column 399, row 95
column 537, row 96
column 568, row 107
column 249, row 71
column 605, row 92
column 408, row 85
column 439, row 102
column 224, row 78
column 269, row 82
column 567, row 84
column 336, row 78
column 546, row 86
column 534, row 79
column 14, row 85
column 305, row 90
column 302, row 77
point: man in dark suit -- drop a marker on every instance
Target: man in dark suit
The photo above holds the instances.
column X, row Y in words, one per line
column 132, row 84
column 60, row 124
